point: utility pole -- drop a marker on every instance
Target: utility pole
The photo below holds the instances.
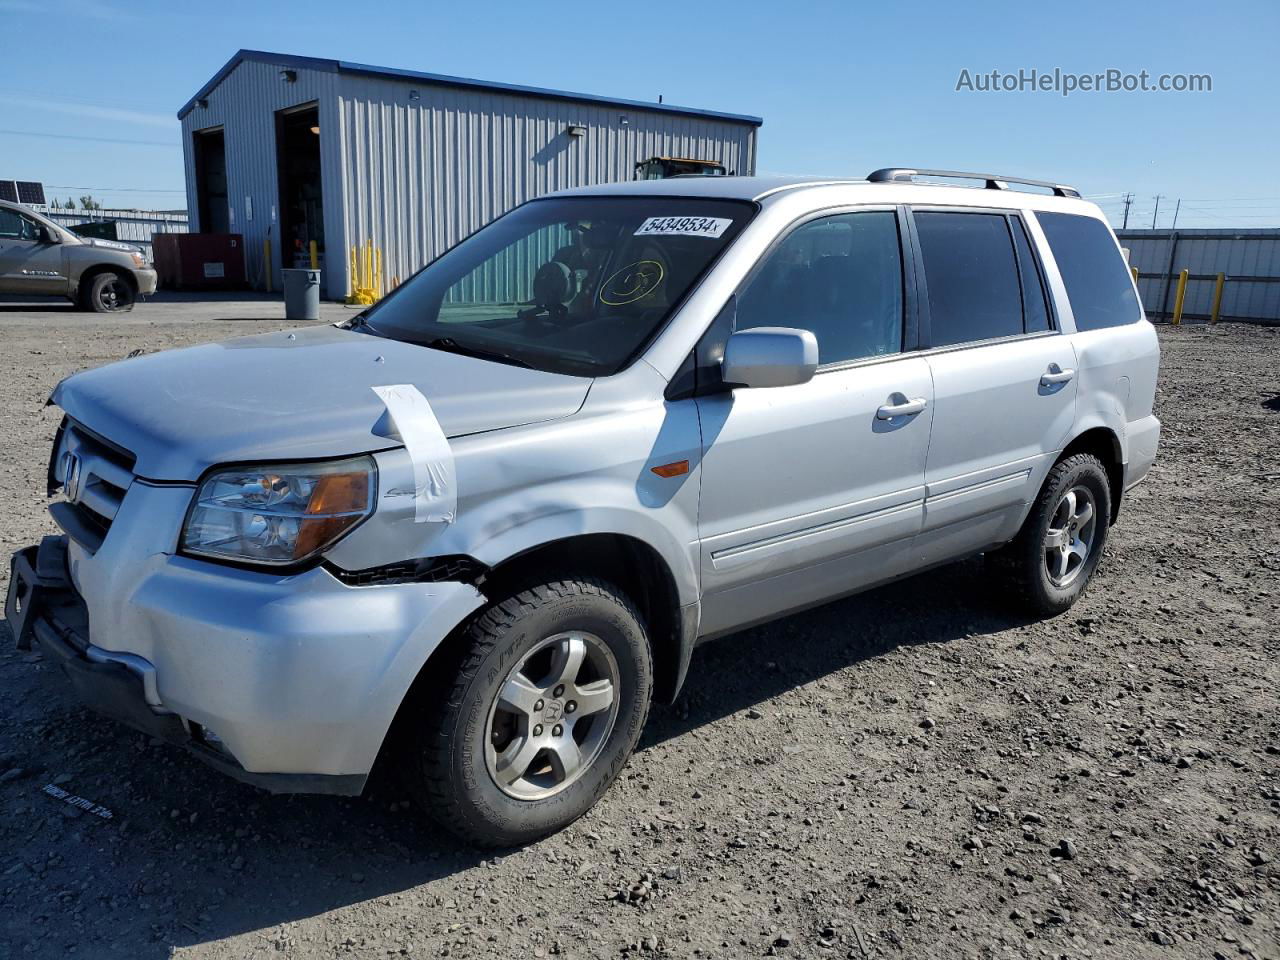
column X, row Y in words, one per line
column 1128, row 201
column 1155, row 211
column 1175, row 214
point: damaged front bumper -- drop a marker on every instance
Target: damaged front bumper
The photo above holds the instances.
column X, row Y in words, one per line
column 286, row 683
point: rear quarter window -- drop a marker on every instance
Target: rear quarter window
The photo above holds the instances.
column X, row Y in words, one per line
column 1098, row 283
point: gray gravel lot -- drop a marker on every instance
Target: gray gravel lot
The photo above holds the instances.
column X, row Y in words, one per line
column 916, row 772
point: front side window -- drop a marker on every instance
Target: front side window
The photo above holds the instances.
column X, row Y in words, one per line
column 14, row 226
column 1098, row 283
column 841, row 278
column 574, row 285
column 971, row 275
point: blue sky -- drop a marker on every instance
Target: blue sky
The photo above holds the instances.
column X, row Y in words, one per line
column 843, row 87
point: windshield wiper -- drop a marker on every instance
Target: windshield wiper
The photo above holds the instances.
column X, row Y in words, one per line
column 449, row 345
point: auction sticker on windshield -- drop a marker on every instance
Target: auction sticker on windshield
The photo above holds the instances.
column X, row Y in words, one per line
column 684, row 227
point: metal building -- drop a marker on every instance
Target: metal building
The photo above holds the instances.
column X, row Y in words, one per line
column 287, row 150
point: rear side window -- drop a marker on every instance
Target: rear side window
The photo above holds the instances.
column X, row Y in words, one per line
column 1098, row 283
column 972, row 277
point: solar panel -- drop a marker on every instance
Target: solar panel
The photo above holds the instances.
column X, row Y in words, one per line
column 8, row 191
column 30, row 192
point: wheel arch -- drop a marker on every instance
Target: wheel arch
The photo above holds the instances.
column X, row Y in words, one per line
column 88, row 273
column 1103, row 443
column 631, row 564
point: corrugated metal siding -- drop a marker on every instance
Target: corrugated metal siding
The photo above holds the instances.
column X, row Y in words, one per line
column 508, row 277
column 425, row 173
column 245, row 106
column 414, row 176
column 1206, row 253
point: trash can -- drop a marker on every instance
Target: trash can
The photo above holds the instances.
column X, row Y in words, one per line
column 301, row 294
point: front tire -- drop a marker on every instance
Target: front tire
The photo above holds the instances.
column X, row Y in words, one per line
column 1053, row 558
column 552, row 690
column 108, row 292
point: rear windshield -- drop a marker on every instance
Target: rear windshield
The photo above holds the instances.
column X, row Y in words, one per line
column 573, row 285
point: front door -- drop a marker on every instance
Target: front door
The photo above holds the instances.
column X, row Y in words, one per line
column 814, row 490
column 28, row 265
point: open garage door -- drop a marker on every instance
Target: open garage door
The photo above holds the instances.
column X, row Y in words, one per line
column 211, row 181
column 298, row 159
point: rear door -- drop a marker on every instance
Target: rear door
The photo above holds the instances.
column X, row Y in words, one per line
column 810, row 491
column 1004, row 378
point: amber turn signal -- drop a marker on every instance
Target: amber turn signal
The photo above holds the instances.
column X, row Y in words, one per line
column 668, row 470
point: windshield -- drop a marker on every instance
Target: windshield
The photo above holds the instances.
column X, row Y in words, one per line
column 572, row 285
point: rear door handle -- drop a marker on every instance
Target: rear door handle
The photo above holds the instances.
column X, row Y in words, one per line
column 1055, row 375
column 907, row 409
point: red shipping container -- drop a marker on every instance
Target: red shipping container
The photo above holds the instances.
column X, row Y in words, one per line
column 199, row 261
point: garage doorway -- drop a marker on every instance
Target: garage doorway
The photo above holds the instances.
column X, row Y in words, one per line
column 210, row 151
column 298, row 161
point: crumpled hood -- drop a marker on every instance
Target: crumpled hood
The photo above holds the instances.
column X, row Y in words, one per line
column 296, row 395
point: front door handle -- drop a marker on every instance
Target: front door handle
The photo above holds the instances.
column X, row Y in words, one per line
column 908, row 408
column 1055, row 375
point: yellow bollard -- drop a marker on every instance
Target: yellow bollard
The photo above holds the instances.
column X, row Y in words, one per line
column 364, row 286
column 1181, row 296
column 1136, row 275
column 315, row 257
column 266, row 261
column 1217, row 297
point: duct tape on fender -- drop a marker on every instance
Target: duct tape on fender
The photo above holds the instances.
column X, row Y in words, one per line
column 435, row 482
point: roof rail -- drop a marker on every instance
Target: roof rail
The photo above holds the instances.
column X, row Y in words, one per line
column 993, row 181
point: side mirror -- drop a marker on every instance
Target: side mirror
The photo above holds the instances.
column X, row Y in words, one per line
column 48, row 236
column 769, row 357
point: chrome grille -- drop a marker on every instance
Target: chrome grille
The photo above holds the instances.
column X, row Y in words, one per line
column 93, row 475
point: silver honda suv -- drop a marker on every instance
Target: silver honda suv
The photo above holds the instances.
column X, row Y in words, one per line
column 481, row 527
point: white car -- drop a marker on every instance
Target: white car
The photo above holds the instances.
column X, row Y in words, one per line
column 482, row 526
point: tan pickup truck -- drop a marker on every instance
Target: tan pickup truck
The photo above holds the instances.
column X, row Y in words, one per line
column 39, row 258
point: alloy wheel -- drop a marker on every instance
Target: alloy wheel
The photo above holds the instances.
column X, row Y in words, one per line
column 1069, row 540
column 552, row 716
column 112, row 295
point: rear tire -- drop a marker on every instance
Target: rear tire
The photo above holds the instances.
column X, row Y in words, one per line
column 107, row 292
column 551, row 691
column 1052, row 560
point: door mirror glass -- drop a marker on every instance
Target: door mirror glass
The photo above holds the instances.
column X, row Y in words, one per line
column 769, row 357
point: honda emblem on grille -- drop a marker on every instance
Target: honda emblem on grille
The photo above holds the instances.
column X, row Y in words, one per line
column 71, row 476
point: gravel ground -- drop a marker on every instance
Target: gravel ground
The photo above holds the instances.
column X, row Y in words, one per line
column 914, row 772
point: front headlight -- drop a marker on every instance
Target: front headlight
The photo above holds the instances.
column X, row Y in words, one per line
column 279, row 514
column 138, row 260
